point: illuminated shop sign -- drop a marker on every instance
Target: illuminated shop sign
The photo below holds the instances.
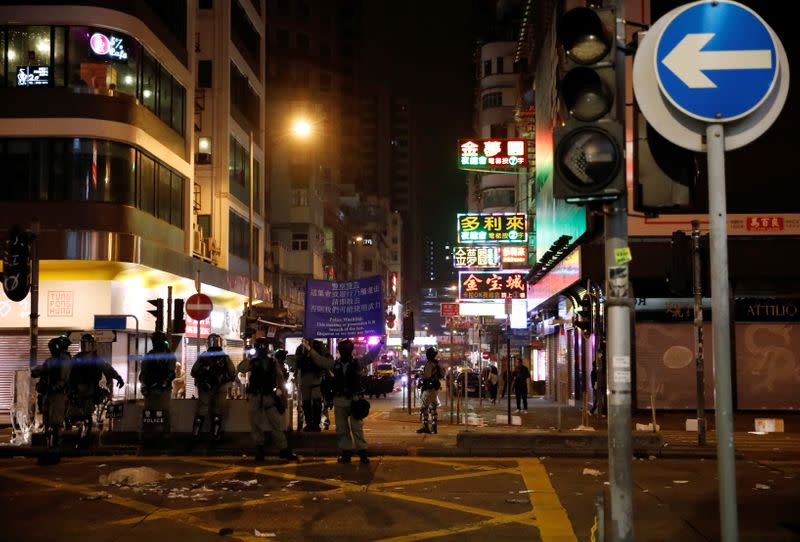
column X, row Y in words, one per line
column 492, row 154
column 491, row 285
column 566, row 273
column 108, row 46
column 492, row 228
column 517, row 254
column 477, row 256
column 33, row 76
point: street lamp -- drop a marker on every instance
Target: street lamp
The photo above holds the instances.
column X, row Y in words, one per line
column 301, row 128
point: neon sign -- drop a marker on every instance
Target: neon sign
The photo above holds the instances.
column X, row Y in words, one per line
column 475, row 256
column 33, row 76
column 492, row 154
column 516, row 254
column 108, row 46
column 486, row 228
column 491, row 285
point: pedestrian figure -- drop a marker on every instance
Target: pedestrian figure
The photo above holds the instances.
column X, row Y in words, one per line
column 156, row 376
column 85, row 392
column 53, row 378
column 493, row 380
column 430, row 383
column 503, row 379
column 520, row 377
column 348, row 392
column 266, row 396
column 213, row 373
column 179, row 384
column 310, row 386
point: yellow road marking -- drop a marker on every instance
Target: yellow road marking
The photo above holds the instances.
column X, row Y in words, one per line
column 444, row 478
column 551, row 517
column 456, row 465
column 458, row 530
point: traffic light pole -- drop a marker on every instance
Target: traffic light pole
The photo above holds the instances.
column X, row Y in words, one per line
column 618, row 353
column 720, row 319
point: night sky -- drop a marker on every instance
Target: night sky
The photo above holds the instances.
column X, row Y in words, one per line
column 426, row 49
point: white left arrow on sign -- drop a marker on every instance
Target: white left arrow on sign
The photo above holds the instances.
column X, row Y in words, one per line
column 688, row 62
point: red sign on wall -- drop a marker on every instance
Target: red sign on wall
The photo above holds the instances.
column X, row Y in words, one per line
column 764, row 223
column 448, row 310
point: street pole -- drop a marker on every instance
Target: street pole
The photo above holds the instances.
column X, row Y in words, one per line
column 34, row 312
column 507, row 382
column 697, row 290
column 618, row 356
column 250, row 242
column 720, row 311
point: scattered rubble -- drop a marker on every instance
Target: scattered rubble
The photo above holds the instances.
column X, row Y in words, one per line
column 591, row 472
column 132, row 476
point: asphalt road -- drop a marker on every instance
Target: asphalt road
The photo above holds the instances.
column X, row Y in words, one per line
column 393, row 498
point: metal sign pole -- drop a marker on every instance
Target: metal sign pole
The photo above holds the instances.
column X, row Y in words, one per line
column 720, row 310
column 34, row 312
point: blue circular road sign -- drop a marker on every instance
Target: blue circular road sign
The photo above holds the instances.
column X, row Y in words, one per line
column 716, row 61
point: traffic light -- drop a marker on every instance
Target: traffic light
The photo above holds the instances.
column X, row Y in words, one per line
column 589, row 154
column 178, row 321
column 666, row 177
column 679, row 272
column 158, row 312
column 408, row 330
column 585, row 320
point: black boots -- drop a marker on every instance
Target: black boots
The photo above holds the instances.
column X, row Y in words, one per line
column 198, row 424
column 424, row 428
column 259, row 455
column 345, row 457
column 362, row 457
column 287, row 454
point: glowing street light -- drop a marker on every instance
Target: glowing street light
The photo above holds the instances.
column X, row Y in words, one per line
column 301, row 128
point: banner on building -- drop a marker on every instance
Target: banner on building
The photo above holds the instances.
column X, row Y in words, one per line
column 340, row 309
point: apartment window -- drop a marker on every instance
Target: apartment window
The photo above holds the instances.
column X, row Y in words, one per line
column 239, row 171
column 366, row 266
column 239, row 236
column 487, row 68
column 395, row 256
column 302, row 44
column 300, row 197
column 492, row 99
column 245, row 36
column 299, row 241
column 498, row 131
column 499, row 61
column 204, row 73
column 325, row 82
column 282, row 37
column 244, row 99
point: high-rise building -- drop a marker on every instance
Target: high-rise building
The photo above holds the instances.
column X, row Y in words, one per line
column 137, row 180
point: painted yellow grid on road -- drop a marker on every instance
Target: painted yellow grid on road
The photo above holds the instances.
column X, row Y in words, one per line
column 547, row 515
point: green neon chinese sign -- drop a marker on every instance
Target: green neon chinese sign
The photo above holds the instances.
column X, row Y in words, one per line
column 488, row 228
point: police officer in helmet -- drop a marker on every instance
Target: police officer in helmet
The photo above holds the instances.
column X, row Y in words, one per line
column 156, row 376
column 430, row 384
column 85, row 392
column 53, row 378
column 266, row 396
column 213, row 373
column 348, row 396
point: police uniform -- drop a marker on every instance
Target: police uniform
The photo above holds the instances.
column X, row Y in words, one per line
column 310, row 390
column 347, row 386
column 84, row 388
column 430, row 383
column 266, row 396
column 53, row 378
column 156, row 376
column 213, row 373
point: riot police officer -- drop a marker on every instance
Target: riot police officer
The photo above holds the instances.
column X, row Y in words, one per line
column 213, row 372
column 310, row 381
column 85, row 392
column 347, row 386
column 156, row 376
column 53, row 378
column 430, row 384
column 266, row 395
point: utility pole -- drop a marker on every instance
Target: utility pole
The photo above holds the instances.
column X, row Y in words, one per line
column 618, row 359
column 697, row 290
column 34, row 312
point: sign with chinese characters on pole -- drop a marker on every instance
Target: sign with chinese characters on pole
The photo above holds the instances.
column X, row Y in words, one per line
column 491, row 285
column 492, row 154
column 489, row 228
column 475, row 256
column 344, row 309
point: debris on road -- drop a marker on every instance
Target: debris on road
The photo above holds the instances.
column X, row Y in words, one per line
column 96, row 496
column 263, row 535
column 225, row 531
column 132, row 476
column 591, row 472
column 680, row 481
column 583, row 428
column 101, row 465
column 651, row 457
column 763, row 486
column 526, row 490
column 518, row 501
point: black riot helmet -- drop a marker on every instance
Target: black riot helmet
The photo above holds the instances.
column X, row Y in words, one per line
column 431, row 353
column 88, row 344
column 319, row 347
column 280, row 354
column 261, row 346
column 160, row 342
column 346, row 348
column 214, row 341
column 56, row 346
